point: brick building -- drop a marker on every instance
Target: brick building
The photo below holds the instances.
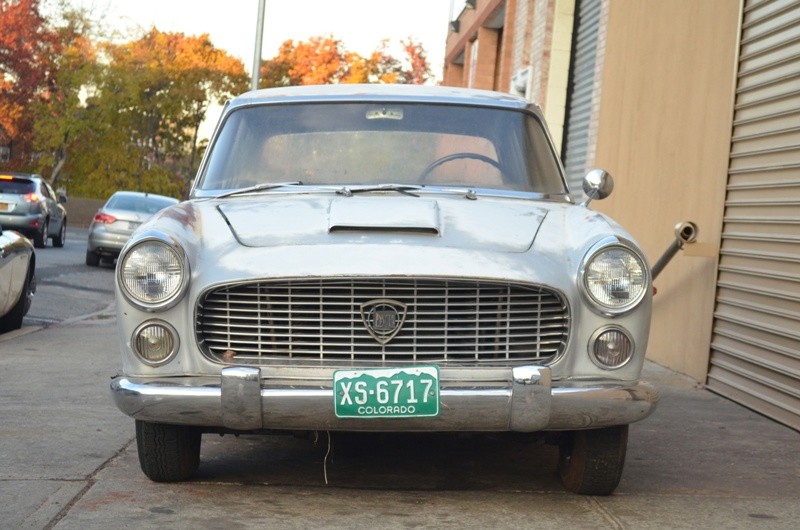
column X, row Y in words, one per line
column 694, row 107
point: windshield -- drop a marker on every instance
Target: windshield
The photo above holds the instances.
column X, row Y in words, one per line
column 353, row 144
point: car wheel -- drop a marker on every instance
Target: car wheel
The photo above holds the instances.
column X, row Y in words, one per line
column 92, row 259
column 13, row 319
column 167, row 453
column 591, row 461
column 40, row 238
column 58, row 240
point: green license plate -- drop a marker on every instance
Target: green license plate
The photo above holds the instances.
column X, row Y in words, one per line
column 408, row 392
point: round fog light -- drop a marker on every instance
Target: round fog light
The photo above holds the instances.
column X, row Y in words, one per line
column 611, row 348
column 155, row 342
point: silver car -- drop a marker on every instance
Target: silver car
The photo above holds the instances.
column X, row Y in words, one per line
column 384, row 258
column 17, row 278
column 29, row 205
column 114, row 223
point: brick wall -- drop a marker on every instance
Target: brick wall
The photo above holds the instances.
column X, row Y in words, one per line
column 80, row 211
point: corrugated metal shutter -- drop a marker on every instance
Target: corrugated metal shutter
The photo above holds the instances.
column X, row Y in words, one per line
column 755, row 349
column 580, row 91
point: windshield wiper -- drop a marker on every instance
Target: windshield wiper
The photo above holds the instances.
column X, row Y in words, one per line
column 258, row 187
column 399, row 188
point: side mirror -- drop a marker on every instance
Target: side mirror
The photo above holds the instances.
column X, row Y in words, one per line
column 597, row 184
column 62, row 198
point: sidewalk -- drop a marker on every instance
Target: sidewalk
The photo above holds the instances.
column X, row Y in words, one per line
column 66, row 457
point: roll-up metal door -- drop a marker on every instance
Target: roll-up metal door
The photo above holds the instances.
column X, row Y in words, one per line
column 755, row 348
column 580, row 91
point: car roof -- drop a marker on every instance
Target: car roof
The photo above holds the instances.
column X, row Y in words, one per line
column 383, row 93
column 142, row 194
column 18, row 174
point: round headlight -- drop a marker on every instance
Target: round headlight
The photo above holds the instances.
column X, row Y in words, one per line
column 611, row 348
column 155, row 342
column 615, row 279
column 152, row 274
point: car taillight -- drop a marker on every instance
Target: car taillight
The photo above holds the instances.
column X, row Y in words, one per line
column 104, row 218
column 30, row 197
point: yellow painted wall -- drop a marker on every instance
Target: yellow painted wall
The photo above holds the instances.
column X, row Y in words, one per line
column 664, row 134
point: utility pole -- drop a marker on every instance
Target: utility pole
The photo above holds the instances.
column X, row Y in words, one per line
column 259, row 41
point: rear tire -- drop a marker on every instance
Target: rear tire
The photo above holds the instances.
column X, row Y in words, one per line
column 40, row 238
column 58, row 240
column 591, row 462
column 167, row 453
column 92, row 259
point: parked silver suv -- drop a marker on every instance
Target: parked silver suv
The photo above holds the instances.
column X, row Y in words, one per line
column 29, row 205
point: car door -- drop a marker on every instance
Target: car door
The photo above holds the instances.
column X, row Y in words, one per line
column 6, row 273
column 55, row 213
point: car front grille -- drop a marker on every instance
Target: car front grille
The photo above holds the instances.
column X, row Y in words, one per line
column 443, row 321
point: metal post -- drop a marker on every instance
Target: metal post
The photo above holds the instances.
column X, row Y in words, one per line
column 259, row 41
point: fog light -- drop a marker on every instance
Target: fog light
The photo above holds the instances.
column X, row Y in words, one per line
column 155, row 342
column 611, row 348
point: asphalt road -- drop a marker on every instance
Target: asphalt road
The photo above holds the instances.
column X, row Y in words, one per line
column 68, row 289
column 68, row 457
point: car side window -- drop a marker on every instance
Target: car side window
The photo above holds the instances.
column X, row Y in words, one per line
column 46, row 191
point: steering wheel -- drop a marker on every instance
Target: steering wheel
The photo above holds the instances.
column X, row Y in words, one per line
column 456, row 156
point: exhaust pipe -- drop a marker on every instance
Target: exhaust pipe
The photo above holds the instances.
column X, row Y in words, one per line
column 685, row 234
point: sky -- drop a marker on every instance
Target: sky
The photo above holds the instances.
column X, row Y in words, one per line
column 360, row 24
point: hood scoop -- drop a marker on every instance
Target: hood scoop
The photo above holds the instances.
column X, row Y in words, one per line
column 385, row 214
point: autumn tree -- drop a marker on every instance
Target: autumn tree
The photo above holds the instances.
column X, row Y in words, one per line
column 146, row 111
column 325, row 60
column 26, row 47
column 60, row 117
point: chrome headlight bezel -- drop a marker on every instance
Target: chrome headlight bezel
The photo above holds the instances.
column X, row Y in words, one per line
column 641, row 278
column 169, row 329
column 155, row 242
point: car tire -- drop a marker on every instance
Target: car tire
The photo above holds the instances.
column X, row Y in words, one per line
column 40, row 238
column 167, row 453
column 92, row 259
column 13, row 319
column 58, row 240
column 591, row 461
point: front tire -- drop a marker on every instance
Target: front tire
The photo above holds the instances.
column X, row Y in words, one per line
column 591, row 461
column 13, row 319
column 167, row 453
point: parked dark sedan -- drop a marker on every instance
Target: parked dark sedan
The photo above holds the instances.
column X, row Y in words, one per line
column 29, row 205
column 17, row 279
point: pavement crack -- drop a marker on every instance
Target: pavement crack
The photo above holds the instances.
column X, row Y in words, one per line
column 90, row 480
column 607, row 514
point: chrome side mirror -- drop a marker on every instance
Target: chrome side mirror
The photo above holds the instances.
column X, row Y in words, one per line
column 597, row 184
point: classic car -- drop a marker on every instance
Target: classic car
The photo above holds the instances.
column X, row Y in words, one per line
column 384, row 258
column 17, row 278
column 29, row 205
column 116, row 220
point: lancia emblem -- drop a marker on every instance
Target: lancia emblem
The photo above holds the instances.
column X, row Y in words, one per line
column 383, row 318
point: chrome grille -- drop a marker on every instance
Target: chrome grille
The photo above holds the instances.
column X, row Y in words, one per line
column 447, row 321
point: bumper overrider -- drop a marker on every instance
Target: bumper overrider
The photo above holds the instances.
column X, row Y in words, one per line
column 240, row 399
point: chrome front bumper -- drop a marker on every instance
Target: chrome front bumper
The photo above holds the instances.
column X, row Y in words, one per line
column 240, row 399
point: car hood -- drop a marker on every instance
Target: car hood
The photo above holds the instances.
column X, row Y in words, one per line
column 504, row 225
